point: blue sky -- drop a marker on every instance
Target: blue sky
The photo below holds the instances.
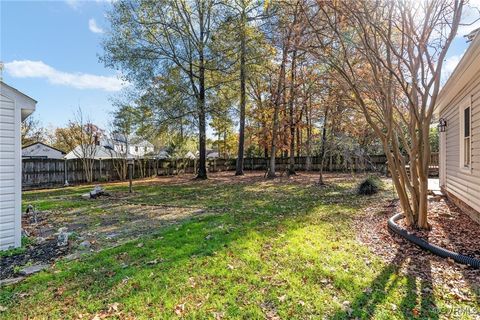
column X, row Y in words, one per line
column 51, row 48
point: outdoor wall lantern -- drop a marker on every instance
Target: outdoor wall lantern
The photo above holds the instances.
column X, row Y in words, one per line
column 442, row 125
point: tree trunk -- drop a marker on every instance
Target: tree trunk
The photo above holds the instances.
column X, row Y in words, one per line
column 308, row 161
column 241, row 136
column 299, row 137
column 202, row 165
column 291, row 162
column 322, row 151
column 225, row 153
column 273, row 151
column 277, row 102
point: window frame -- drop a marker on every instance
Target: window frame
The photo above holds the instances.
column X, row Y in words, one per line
column 466, row 104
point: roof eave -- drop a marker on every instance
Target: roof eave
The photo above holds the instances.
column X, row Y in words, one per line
column 466, row 69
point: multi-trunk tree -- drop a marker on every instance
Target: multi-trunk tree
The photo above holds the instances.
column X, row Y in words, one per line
column 388, row 56
column 82, row 137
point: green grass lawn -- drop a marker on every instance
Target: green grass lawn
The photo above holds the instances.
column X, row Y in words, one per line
column 275, row 250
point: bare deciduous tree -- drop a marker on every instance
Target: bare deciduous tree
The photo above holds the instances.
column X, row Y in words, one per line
column 82, row 137
column 388, row 55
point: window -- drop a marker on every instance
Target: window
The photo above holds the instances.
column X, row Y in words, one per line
column 465, row 115
column 145, row 149
column 466, row 137
column 136, row 149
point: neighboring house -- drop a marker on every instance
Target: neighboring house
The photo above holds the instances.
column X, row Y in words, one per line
column 190, row 155
column 212, row 154
column 458, row 109
column 99, row 153
column 137, row 147
column 14, row 108
column 40, row 150
column 163, row 154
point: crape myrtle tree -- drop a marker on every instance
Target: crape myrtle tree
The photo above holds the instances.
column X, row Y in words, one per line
column 123, row 126
column 149, row 38
column 388, row 55
column 81, row 136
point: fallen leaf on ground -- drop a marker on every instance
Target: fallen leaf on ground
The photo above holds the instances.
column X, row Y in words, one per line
column 179, row 309
column 113, row 307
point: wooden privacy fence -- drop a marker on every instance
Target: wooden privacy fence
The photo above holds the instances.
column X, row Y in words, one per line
column 43, row 173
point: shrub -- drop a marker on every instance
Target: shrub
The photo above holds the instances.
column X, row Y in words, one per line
column 370, row 185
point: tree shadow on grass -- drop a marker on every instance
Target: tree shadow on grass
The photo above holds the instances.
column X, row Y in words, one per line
column 418, row 300
column 118, row 273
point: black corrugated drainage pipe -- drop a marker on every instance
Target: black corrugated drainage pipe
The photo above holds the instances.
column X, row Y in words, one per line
column 439, row 251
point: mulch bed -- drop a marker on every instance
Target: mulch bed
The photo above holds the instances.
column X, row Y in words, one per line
column 43, row 250
column 451, row 229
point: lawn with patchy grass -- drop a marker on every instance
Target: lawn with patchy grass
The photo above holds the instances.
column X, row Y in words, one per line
column 282, row 249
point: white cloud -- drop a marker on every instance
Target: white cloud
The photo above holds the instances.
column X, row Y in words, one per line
column 92, row 25
column 39, row 69
column 451, row 63
column 75, row 4
column 449, row 66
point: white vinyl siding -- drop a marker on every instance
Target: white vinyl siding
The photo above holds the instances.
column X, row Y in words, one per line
column 8, row 167
column 461, row 181
column 15, row 106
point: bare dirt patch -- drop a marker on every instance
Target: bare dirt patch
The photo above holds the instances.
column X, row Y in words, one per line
column 111, row 222
column 46, row 252
column 108, row 222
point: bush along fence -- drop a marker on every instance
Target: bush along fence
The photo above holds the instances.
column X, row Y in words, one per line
column 45, row 173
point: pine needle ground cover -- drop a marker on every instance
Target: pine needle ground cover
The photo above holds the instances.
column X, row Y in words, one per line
column 264, row 249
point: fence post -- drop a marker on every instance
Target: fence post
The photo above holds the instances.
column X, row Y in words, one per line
column 65, row 172
column 130, row 174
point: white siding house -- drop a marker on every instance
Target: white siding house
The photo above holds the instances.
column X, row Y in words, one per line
column 40, row 150
column 93, row 152
column 459, row 107
column 136, row 146
column 14, row 108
